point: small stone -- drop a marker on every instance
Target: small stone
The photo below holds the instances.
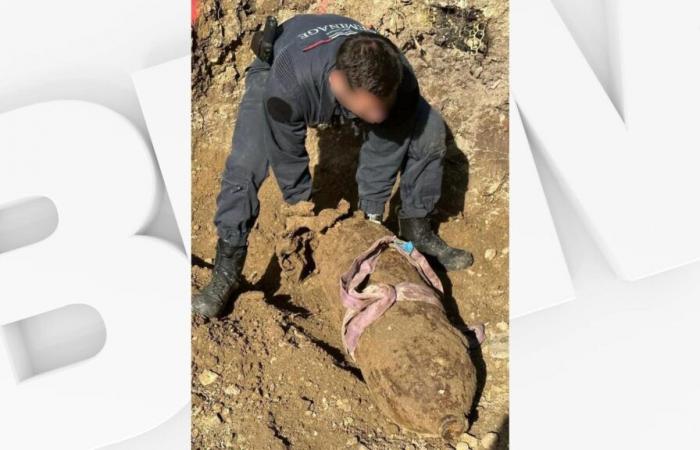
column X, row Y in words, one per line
column 352, row 441
column 469, row 439
column 493, row 188
column 462, row 446
column 232, row 390
column 211, row 421
column 489, row 441
column 502, row 326
column 228, row 440
column 343, row 405
column 392, row 428
column 490, row 254
column 207, row 377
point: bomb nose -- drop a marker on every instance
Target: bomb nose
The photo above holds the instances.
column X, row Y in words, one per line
column 452, row 427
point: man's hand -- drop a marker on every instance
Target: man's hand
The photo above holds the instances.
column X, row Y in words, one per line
column 376, row 218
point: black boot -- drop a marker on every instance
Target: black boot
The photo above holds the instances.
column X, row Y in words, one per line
column 419, row 232
column 212, row 300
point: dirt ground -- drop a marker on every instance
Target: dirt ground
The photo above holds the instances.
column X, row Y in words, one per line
column 270, row 375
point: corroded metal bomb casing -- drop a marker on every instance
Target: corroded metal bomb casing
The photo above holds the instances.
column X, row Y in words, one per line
column 415, row 363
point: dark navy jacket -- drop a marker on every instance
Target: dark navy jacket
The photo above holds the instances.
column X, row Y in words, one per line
column 298, row 95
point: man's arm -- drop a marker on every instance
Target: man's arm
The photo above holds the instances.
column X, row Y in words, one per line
column 407, row 97
column 289, row 159
column 384, row 150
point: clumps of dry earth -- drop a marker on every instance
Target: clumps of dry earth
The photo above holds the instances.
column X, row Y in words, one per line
column 269, row 375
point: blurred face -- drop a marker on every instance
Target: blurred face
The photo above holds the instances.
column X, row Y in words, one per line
column 361, row 102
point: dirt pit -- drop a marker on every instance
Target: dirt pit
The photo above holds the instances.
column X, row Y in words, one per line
column 270, row 374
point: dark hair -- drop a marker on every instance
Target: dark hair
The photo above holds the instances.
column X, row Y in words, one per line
column 372, row 62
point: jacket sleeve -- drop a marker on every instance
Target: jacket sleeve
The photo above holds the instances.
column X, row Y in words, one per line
column 407, row 97
column 287, row 153
column 383, row 151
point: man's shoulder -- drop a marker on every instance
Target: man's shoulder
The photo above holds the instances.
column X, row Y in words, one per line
column 307, row 48
column 305, row 32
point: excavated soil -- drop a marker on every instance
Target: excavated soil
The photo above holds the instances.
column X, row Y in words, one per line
column 270, row 375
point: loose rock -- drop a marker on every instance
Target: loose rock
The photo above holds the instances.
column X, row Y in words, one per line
column 207, row 377
column 210, row 422
column 489, row 441
column 469, row 439
column 232, row 390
